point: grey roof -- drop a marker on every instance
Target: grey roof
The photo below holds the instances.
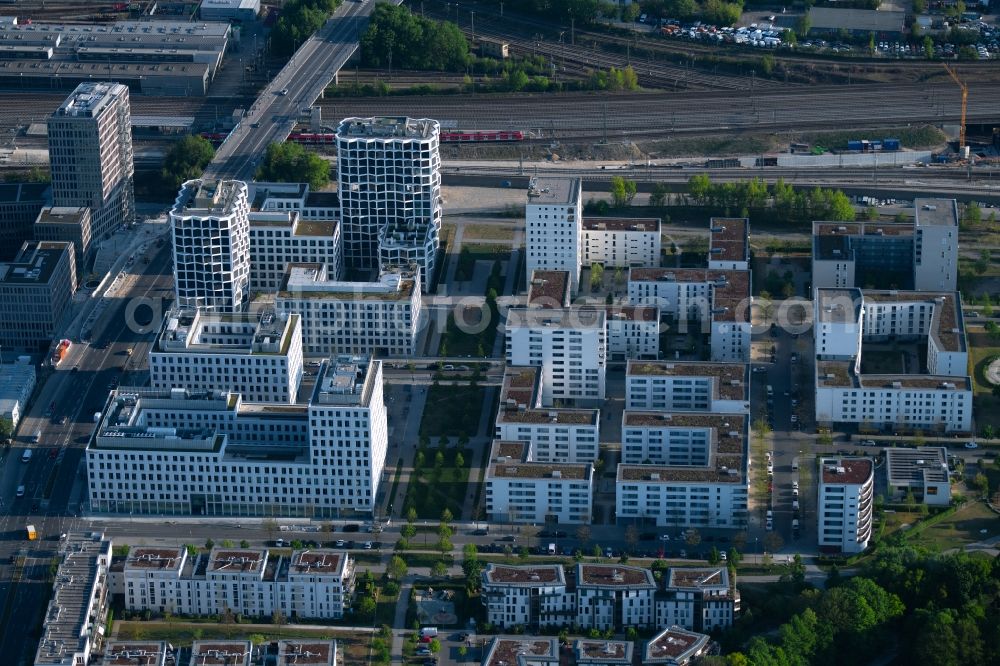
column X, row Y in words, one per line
column 553, row 191
column 834, row 18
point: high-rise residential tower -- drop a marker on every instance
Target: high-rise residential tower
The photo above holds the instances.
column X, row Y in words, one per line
column 211, row 232
column 390, row 193
column 90, row 151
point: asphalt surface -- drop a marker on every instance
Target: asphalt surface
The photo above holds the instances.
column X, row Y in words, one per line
column 295, row 88
column 76, row 389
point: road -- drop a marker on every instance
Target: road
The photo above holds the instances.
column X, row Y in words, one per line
column 296, row 87
column 52, row 480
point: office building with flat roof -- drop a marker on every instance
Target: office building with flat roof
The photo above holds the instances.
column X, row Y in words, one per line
column 35, row 291
column 922, row 471
column 674, row 646
column 20, row 204
column 90, row 150
column 68, row 224
column 553, row 219
column 221, row 653
column 211, row 233
column 135, row 653
column 280, row 238
column 258, row 355
column 390, row 192
column 219, row 455
column 380, row 317
column 687, row 386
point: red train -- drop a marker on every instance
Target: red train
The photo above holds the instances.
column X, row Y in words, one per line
column 457, row 136
column 481, row 136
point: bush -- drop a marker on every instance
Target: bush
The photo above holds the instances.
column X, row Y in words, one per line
column 291, row 163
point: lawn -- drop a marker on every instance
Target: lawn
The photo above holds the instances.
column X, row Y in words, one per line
column 456, row 342
column 960, row 528
column 473, row 252
column 434, row 488
column 877, row 362
column 452, row 411
column 981, row 357
column 488, row 232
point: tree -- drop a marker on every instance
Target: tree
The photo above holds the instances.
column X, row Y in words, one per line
column 459, row 461
column 713, row 556
column 435, row 645
column 699, row 187
column 630, row 191
column 366, row 607
column 244, row 543
column 693, row 537
column 803, row 25
column 185, row 160
column 6, row 427
column 447, row 516
column 982, row 484
column 396, row 37
column 209, row 544
column 292, row 163
column 522, row 553
column 596, row 276
column 439, row 569
column 396, row 568
column 619, row 195
column 658, row 197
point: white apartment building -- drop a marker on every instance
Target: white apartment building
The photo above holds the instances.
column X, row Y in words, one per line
column 633, row 332
column 569, row 344
column 315, row 584
column 381, row 317
column 700, row 496
column 674, row 647
column 278, row 239
column 531, row 650
column 555, row 435
column 921, row 254
column 553, row 218
column 221, row 653
column 845, row 504
column 527, row 596
column 701, row 598
column 612, row 596
column 209, row 453
column 521, row 490
column 72, row 631
column 687, row 387
column 307, row 652
column 847, row 319
column 211, row 234
column 616, row 242
column 601, row 652
column 679, row 439
column 729, row 244
column 390, row 192
column 714, row 301
column 608, row 596
column 90, row 151
column 133, row 653
column 257, row 355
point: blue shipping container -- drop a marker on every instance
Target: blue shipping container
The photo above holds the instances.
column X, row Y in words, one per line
column 854, row 145
column 891, row 144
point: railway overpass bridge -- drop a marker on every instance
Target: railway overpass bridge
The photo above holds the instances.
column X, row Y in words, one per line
column 297, row 86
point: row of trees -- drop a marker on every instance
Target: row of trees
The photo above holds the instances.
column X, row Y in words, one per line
column 397, row 38
column 299, row 20
column 782, row 198
column 292, row 163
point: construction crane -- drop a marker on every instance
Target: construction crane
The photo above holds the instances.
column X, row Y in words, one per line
column 965, row 102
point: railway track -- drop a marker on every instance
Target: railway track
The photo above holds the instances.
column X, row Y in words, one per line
column 628, row 116
column 649, row 43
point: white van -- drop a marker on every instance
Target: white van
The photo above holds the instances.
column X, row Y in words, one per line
column 26, row 456
column 552, row 549
column 429, row 631
column 770, row 391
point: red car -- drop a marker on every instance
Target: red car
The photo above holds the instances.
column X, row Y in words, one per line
column 425, row 639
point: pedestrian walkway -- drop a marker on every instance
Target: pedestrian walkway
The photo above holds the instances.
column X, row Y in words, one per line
column 399, row 619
